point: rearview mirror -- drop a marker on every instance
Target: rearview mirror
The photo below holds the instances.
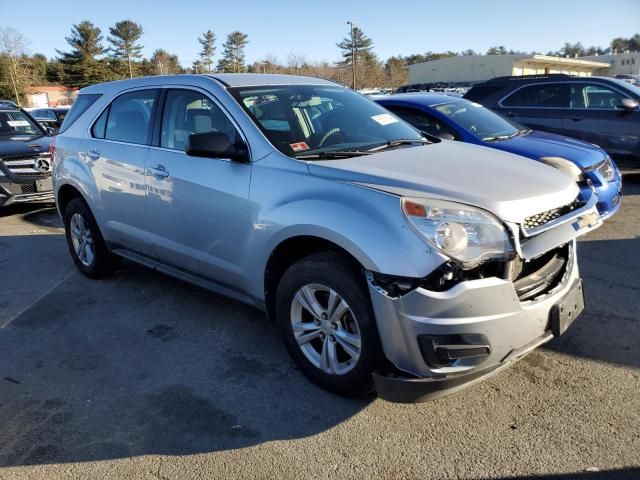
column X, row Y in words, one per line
column 628, row 104
column 215, row 145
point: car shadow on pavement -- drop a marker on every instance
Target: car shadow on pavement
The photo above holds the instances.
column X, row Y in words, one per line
column 143, row 364
column 632, row 473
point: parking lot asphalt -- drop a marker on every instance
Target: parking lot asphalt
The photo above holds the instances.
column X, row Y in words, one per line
column 143, row 376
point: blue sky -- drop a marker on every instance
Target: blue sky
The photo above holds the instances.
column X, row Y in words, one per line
column 280, row 27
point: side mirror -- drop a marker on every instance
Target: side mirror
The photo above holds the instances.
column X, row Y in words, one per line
column 215, row 145
column 628, row 104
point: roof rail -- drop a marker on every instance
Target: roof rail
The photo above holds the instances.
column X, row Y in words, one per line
column 527, row 77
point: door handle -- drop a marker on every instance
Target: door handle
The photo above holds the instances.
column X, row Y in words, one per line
column 576, row 119
column 159, row 171
column 511, row 114
column 93, row 153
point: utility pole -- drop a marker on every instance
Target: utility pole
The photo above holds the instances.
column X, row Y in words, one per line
column 353, row 53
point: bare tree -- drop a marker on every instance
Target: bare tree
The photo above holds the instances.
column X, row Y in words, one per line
column 14, row 47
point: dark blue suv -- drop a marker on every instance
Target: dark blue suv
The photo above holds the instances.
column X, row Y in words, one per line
column 599, row 110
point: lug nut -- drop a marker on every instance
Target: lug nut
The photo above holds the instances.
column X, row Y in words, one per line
column 316, row 322
column 324, row 316
column 334, row 326
column 332, row 338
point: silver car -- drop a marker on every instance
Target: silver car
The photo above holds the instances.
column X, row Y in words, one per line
column 387, row 261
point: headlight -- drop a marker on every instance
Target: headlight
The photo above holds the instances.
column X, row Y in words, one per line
column 462, row 232
column 607, row 169
column 566, row 166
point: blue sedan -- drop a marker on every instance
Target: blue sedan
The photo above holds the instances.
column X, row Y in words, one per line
column 454, row 118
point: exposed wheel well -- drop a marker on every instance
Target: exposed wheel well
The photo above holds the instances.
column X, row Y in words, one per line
column 289, row 252
column 66, row 193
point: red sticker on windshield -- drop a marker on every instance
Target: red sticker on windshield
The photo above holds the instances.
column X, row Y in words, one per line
column 299, row 147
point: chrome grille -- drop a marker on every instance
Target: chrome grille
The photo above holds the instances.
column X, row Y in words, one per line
column 24, row 165
column 542, row 218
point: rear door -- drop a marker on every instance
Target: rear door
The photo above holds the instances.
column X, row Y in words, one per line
column 197, row 208
column 116, row 152
column 540, row 106
column 596, row 117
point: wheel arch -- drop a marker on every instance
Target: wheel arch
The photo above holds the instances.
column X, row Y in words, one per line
column 290, row 251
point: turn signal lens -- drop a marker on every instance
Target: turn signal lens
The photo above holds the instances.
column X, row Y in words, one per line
column 414, row 209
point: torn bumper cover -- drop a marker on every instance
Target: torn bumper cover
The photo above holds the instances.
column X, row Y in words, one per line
column 442, row 341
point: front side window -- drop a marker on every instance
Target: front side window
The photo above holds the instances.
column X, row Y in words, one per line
column 309, row 119
column 423, row 121
column 16, row 125
column 548, row 95
column 480, row 121
column 595, row 97
column 129, row 117
column 187, row 112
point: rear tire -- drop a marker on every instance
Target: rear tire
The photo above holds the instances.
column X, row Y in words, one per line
column 324, row 313
column 86, row 245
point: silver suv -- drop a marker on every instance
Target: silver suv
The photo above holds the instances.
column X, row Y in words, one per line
column 386, row 260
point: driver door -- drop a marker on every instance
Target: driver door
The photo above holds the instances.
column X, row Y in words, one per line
column 198, row 210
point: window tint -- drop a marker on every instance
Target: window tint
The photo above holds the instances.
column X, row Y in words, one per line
column 553, row 95
column 313, row 119
column 595, row 97
column 78, row 108
column 99, row 127
column 423, row 121
column 187, row 112
column 130, row 116
column 479, row 93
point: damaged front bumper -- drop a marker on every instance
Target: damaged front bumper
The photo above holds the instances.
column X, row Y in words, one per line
column 442, row 341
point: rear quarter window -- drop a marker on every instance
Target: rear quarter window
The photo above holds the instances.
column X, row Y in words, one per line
column 82, row 103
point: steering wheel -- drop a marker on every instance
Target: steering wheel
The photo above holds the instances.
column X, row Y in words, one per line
column 326, row 136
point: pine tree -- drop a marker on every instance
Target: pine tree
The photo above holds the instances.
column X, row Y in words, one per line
column 362, row 47
column 81, row 65
column 233, row 56
column 125, row 34
column 207, row 41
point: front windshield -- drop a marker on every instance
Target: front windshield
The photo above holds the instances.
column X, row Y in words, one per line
column 302, row 120
column 480, row 121
column 627, row 85
column 15, row 125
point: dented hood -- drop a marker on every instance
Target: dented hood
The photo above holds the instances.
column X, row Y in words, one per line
column 509, row 186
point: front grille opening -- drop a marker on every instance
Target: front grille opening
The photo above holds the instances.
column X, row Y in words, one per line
column 28, row 188
column 531, row 279
column 539, row 276
column 540, row 219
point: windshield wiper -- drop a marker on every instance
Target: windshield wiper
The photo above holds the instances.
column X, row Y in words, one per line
column 332, row 154
column 397, row 143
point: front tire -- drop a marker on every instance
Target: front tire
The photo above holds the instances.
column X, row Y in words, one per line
column 86, row 245
column 325, row 316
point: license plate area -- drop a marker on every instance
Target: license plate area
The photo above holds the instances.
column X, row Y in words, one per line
column 44, row 185
column 565, row 312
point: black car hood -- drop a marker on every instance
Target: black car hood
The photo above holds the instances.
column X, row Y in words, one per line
column 31, row 145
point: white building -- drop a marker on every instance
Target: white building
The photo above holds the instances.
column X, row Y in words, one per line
column 478, row 68
column 627, row 63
